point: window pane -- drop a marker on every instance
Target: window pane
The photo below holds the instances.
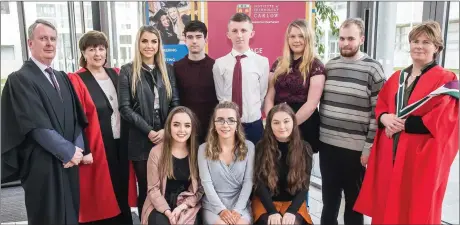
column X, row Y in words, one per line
column 451, row 61
column 408, row 14
column 57, row 14
column 331, row 48
column 7, row 52
column 88, row 15
column 123, row 30
column 450, row 206
column 5, row 7
column 11, row 49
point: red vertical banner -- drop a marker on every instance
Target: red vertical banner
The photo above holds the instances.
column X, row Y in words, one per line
column 270, row 21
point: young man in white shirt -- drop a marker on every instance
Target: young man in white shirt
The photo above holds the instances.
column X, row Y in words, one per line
column 241, row 76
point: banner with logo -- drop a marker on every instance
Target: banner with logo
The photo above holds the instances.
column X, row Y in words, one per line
column 170, row 18
column 270, row 20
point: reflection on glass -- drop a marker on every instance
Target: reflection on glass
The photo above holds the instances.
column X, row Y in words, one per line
column 451, row 204
column 408, row 14
column 451, row 60
column 124, row 25
column 331, row 46
column 57, row 14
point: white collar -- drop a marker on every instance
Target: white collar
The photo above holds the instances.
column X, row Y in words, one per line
column 235, row 53
column 39, row 64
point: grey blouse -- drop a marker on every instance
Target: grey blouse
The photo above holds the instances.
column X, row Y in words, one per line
column 226, row 187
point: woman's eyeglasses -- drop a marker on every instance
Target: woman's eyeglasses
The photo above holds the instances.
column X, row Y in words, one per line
column 222, row 121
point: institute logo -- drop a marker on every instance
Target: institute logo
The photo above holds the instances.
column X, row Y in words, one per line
column 244, row 8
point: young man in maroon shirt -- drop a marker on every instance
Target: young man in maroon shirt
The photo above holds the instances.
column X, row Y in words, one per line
column 194, row 77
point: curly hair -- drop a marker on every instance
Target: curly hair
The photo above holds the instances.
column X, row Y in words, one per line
column 212, row 140
column 299, row 158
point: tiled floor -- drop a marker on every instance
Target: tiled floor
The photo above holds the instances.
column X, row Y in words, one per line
column 12, row 202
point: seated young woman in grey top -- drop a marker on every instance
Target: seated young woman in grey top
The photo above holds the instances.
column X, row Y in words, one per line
column 225, row 165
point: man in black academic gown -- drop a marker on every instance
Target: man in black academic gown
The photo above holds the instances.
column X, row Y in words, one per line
column 42, row 141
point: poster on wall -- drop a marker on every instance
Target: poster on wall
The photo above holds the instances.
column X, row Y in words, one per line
column 270, row 20
column 170, row 18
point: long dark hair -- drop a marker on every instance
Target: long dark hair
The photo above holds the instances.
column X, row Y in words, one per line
column 299, row 158
column 166, row 161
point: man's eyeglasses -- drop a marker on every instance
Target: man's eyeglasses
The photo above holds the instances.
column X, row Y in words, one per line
column 223, row 121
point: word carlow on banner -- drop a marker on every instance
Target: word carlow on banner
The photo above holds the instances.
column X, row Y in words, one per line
column 270, row 21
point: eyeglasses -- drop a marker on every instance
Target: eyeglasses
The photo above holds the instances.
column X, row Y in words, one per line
column 223, row 121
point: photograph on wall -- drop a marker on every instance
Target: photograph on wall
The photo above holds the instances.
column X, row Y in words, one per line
column 170, row 18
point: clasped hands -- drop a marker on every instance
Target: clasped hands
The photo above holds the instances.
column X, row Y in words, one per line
column 392, row 124
column 156, row 137
column 277, row 219
column 78, row 157
column 230, row 217
column 174, row 215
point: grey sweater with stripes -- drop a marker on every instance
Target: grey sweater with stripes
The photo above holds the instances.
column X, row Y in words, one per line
column 347, row 108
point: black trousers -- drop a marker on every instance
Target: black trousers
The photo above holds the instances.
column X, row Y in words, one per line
column 157, row 218
column 341, row 169
column 254, row 131
column 140, row 168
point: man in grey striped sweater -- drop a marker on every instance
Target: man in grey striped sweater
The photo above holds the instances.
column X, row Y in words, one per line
column 348, row 122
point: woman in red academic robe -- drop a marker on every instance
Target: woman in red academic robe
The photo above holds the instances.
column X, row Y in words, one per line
column 105, row 181
column 416, row 142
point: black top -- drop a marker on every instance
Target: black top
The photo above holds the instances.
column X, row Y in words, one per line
column 283, row 195
column 176, row 186
column 138, row 114
column 103, row 106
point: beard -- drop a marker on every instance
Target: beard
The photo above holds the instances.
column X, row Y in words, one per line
column 350, row 53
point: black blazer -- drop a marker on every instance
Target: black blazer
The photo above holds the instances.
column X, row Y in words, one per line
column 138, row 112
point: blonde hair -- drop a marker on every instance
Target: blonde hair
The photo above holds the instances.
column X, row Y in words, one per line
column 159, row 60
column 180, row 24
column 212, row 140
column 284, row 62
column 432, row 30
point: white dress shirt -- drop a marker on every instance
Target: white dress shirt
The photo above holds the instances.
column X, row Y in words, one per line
column 255, row 70
column 43, row 67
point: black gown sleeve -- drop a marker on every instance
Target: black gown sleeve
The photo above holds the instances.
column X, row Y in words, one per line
column 86, row 150
column 381, row 126
column 297, row 201
column 21, row 112
column 414, row 125
column 264, row 195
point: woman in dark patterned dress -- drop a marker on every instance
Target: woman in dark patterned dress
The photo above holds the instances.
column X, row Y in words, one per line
column 297, row 78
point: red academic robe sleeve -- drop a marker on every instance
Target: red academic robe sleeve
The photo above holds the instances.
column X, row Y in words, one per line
column 97, row 197
column 411, row 190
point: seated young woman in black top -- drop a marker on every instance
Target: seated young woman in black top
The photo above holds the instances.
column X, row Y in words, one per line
column 282, row 174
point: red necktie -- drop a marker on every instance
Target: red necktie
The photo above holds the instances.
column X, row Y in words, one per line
column 237, row 90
